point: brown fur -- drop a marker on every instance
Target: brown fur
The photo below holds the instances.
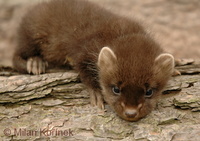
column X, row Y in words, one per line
column 73, row 32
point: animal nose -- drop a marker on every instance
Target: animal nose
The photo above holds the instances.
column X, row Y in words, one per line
column 131, row 113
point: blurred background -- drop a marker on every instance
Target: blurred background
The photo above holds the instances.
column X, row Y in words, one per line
column 175, row 24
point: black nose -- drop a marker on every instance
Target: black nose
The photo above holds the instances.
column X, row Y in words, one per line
column 130, row 113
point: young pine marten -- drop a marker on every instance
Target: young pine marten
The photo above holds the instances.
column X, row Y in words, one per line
column 116, row 59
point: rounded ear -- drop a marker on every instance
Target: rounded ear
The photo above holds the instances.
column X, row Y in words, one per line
column 164, row 65
column 106, row 58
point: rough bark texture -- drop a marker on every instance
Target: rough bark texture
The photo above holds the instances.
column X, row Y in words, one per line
column 55, row 106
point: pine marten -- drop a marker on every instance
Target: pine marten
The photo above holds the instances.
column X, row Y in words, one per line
column 117, row 60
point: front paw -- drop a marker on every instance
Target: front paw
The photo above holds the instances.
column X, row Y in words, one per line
column 96, row 99
column 36, row 65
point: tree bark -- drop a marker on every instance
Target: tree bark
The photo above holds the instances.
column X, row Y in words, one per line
column 48, row 103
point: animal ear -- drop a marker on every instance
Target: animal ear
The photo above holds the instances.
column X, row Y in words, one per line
column 107, row 58
column 164, row 65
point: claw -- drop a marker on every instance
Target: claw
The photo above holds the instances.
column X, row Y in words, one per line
column 36, row 65
column 176, row 73
column 96, row 99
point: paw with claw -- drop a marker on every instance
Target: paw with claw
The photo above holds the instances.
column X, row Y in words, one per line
column 96, row 99
column 35, row 65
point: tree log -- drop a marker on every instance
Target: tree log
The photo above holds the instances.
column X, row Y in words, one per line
column 56, row 106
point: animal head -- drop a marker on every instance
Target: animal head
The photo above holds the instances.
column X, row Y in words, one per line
column 131, row 85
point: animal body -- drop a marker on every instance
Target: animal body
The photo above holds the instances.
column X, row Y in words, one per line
column 116, row 59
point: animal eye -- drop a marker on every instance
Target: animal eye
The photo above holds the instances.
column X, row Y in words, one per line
column 149, row 93
column 116, row 90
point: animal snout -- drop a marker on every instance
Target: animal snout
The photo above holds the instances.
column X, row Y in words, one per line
column 131, row 113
